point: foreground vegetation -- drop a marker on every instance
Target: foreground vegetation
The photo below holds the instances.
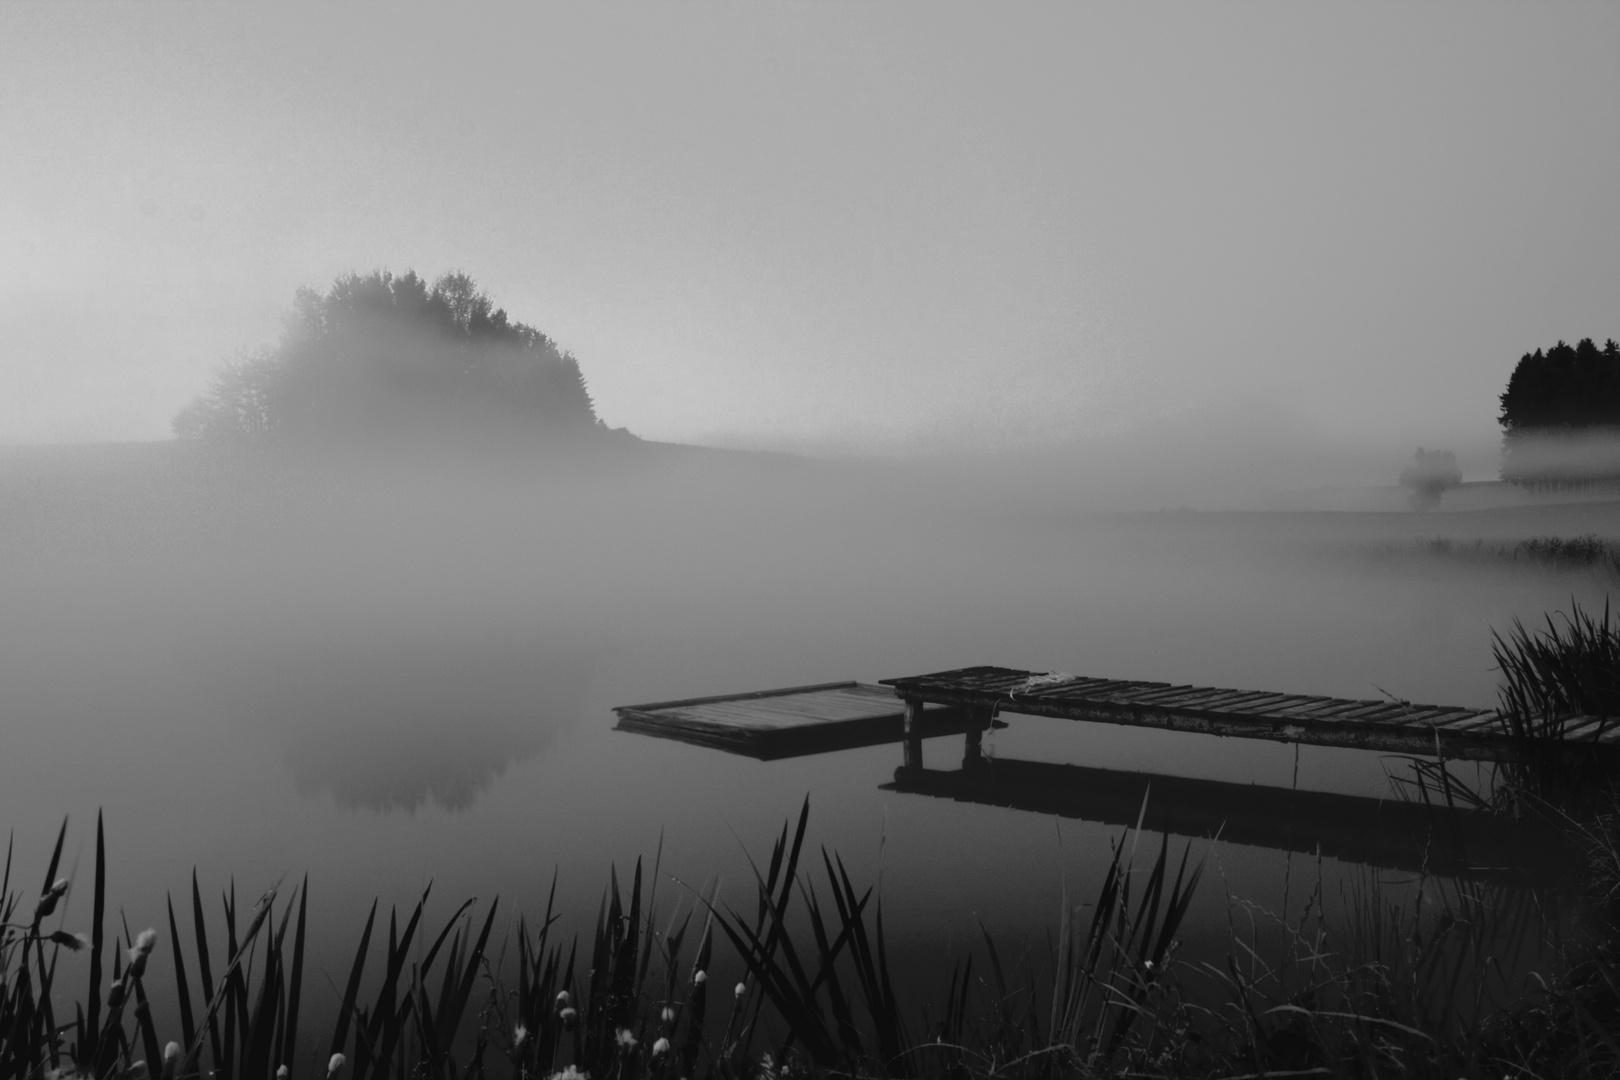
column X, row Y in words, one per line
column 1422, row 983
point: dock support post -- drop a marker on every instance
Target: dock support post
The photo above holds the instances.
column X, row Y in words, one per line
column 973, row 741
column 912, row 745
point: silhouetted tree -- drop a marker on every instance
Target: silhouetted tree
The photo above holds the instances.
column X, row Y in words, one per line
column 1553, row 399
column 1429, row 477
column 380, row 357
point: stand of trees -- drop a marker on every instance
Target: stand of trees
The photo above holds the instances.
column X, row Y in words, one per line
column 1431, row 474
column 381, row 358
column 1561, row 416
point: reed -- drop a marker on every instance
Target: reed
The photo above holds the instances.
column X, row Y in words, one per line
column 1410, row 988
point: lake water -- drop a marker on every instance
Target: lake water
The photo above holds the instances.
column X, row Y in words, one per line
column 385, row 678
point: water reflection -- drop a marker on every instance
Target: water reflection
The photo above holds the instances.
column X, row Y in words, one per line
column 400, row 721
column 1389, row 833
column 385, row 763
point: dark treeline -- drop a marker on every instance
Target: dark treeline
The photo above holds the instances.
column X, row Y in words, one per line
column 1557, row 408
column 385, row 358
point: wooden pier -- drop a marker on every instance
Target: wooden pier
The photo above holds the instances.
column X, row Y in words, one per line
column 794, row 721
column 1391, row 726
column 798, row 720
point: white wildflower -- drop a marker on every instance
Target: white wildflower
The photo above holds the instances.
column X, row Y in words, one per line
column 626, row 1040
column 660, row 1047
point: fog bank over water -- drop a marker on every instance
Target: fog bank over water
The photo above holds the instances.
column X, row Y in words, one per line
column 385, row 673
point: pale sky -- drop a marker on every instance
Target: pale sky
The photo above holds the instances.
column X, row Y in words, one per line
column 843, row 227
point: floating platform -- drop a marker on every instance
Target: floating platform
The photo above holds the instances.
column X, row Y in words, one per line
column 1392, row 726
column 792, row 722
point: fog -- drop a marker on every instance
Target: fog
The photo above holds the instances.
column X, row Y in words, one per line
column 901, row 340
column 384, row 674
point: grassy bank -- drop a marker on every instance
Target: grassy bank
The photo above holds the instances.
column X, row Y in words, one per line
column 1393, row 987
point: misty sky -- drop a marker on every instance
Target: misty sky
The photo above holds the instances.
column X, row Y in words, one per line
column 834, row 227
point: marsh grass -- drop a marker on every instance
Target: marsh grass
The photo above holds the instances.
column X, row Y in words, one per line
column 1589, row 553
column 1418, row 978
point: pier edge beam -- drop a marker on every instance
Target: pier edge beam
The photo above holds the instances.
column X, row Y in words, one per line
column 911, row 744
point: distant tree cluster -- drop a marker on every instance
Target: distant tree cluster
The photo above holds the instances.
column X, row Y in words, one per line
column 1561, row 416
column 1430, row 475
column 386, row 358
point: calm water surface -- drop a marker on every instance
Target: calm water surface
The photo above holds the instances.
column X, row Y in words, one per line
column 386, row 680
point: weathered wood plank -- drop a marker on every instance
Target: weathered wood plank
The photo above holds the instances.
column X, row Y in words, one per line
column 1390, row 726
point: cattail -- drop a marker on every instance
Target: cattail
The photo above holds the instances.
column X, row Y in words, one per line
column 140, row 951
column 337, row 1062
column 115, row 995
column 47, row 903
column 660, row 1047
column 172, row 1051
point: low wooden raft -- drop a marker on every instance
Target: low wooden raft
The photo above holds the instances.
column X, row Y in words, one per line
column 1392, row 726
column 791, row 722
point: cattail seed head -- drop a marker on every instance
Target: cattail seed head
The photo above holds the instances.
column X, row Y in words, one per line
column 172, row 1050
column 700, row 978
column 660, row 1047
column 668, row 1015
column 519, row 1035
column 47, row 903
column 741, row 990
column 337, row 1062
column 626, row 1039
column 568, row 1016
column 281, row 1073
column 564, row 999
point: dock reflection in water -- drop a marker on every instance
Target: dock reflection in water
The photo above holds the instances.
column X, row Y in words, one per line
column 1391, row 833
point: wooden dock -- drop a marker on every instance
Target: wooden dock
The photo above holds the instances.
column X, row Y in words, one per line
column 799, row 720
column 1391, row 726
column 794, row 721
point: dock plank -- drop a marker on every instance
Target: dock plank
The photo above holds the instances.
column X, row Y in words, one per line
column 1385, row 725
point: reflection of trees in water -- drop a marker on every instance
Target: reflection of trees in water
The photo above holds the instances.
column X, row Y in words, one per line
column 404, row 762
column 397, row 721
